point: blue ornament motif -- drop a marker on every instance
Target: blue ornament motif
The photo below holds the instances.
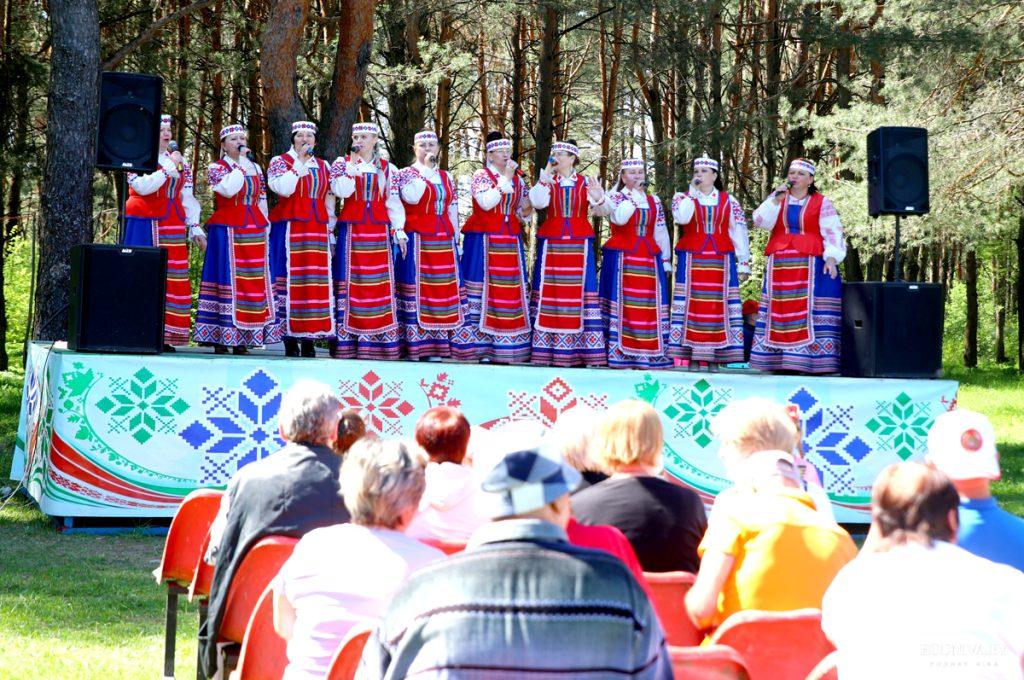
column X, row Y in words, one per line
column 828, row 442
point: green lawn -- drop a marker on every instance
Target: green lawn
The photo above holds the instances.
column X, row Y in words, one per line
column 82, row 606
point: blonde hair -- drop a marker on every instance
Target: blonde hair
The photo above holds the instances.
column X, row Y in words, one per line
column 630, row 433
column 380, row 480
column 755, row 424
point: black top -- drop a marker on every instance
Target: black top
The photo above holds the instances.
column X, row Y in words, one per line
column 665, row 522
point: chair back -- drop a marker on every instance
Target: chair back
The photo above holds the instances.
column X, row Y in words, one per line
column 264, row 654
column 200, row 586
column 186, row 536
column 668, row 593
column 827, row 668
column 346, row 659
column 776, row 645
column 447, row 547
column 257, row 570
column 710, row 662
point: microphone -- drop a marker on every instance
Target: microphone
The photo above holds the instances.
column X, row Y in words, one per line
column 243, row 150
column 789, row 185
column 172, row 147
column 431, row 159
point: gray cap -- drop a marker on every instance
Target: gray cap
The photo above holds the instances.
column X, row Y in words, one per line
column 527, row 477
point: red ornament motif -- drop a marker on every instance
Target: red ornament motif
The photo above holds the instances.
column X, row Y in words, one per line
column 437, row 391
column 555, row 398
column 379, row 403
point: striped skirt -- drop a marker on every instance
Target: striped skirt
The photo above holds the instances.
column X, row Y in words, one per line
column 278, row 262
column 215, row 317
column 635, row 310
column 143, row 231
column 824, row 297
column 431, row 299
column 473, row 341
column 725, row 331
column 567, row 324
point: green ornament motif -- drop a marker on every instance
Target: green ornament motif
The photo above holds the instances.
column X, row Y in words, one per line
column 901, row 425
column 692, row 409
column 143, row 405
column 649, row 389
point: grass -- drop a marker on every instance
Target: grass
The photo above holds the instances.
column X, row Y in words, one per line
column 85, row 606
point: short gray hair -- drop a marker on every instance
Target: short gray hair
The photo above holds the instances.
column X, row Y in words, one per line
column 380, row 480
column 309, row 413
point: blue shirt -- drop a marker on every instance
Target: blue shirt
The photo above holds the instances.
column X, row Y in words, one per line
column 990, row 532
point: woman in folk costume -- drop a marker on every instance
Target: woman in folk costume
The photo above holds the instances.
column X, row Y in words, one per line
column 300, row 249
column 634, row 262
column 235, row 303
column 162, row 211
column 798, row 324
column 713, row 258
column 372, row 218
column 430, row 295
column 493, row 263
column 564, row 307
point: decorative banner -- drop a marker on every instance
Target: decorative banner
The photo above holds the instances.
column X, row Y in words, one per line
column 130, row 436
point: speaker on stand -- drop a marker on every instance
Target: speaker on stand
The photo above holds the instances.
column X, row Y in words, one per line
column 128, row 133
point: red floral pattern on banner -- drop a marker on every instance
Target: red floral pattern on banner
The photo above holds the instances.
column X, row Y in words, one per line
column 379, row 403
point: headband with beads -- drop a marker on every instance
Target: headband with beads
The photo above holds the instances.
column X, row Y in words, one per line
column 806, row 166
column 301, row 125
column 566, row 147
column 366, row 128
column 499, row 145
column 231, row 130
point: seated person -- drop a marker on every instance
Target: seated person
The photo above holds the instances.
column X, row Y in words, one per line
column 346, row 574
column 913, row 604
column 521, row 601
column 289, row 493
column 769, row 551
column 351, row 429
column 451, row 509
column 962, row 444
column 663, row 521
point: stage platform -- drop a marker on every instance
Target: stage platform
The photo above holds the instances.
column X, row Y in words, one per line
column 129, row 436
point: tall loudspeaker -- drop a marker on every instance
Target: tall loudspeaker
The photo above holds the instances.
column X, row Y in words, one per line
column 898, row 171
column 892, row 330
column 117, row 299
column 128, row 135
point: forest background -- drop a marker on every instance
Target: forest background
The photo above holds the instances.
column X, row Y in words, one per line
column 752, row 82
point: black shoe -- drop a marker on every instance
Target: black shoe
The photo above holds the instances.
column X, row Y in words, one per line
column 220, row 349
column 169, row 348
column 308, row 350
column 239, row 350
column 291, row 347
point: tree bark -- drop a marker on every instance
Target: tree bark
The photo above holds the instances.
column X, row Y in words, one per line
column 403, row 26
column 443, row 107
column 971, row 331
column 350, row 65
column 13, row 226
column 546, row 88
column 518, row 84
column 72, row 108
column 282, row 39
column 1019, row 281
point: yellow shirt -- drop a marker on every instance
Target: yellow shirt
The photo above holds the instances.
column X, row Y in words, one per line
column 786, row 554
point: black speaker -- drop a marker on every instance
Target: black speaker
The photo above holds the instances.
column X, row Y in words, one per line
column 892, row 330
column 128, row 135
column 898, row 171
column 117, row 299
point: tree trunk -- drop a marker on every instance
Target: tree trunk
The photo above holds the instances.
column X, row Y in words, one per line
column 1019, row 282
column 282, row 39
column 350, row 65
column 71, row 116
column 546, row 88
column 407, row 106
column 852, row 268
column 971, row 332
column 443, row 107
column 518, row 85
column 13, row 225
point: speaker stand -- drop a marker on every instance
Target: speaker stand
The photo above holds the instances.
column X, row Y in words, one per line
column 123, row 201
column 896, row 256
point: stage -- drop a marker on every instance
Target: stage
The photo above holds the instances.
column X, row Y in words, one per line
column 130, row 435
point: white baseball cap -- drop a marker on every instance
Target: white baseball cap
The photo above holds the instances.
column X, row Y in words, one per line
column 962, row 443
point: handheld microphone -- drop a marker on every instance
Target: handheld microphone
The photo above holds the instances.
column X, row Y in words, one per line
column 551, row 160
column 789, row 185
column 356, row 148
column 243, row 150
column 172, row 147
column 695, row 182
column 431, row 159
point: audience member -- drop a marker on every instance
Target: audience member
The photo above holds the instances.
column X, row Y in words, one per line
column 290, row 493
column 521, row 601
column 351, row 429
column 663, row 521
column 916, row 606
column 572, row 433
column 345, row 574
column 962, row 444
column 451, row 507
column 766, row 546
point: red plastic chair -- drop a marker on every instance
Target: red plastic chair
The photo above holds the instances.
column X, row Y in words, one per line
column 259, row 567
column 710, row 662
column 346, row 659
column 447, row 547
column 264, row 654
column 776, row 645
column 668, row 593
column 827, row 668
column 182, row 548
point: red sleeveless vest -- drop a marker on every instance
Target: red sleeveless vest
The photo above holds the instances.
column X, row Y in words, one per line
column 567, row 217
column 243, row 208
column 695, row 232
column 635, row 236
column 367, row 203
column 804, row 237
column 501, row 219
column 426, row 216
column 308, row 200
column 160, row 204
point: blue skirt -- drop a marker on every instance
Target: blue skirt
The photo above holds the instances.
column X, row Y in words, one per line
column 610, row 294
